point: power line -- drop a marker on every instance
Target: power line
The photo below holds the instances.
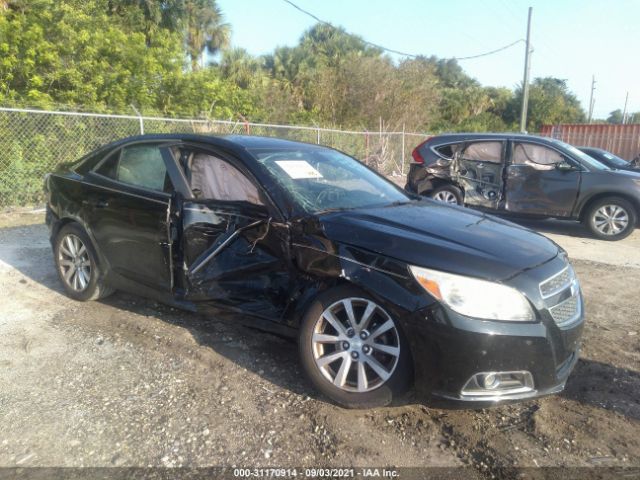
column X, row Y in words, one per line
column 492, row 51
column 391, row 50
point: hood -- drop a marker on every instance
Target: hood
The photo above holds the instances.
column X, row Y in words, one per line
column 435, row 235
column 627, row 172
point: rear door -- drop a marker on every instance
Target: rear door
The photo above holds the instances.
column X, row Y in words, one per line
column 534, row 183
column 478, row 169
column 235, row 252
column 127, row 204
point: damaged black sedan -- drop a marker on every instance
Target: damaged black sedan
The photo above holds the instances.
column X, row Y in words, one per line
column 383, row 290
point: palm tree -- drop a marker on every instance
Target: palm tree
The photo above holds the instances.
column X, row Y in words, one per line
column 205, row 29
column 149, row 15
column 239, row 66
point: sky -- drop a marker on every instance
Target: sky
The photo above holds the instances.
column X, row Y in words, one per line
column 571, row 39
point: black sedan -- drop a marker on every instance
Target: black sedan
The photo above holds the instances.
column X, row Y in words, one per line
column 383, row 290
column 609, row 159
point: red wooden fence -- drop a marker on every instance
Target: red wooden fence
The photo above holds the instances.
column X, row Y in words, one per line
column 623, row 140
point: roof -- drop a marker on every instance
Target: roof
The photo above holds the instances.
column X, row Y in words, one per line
column 251, row 141
column 489, row 136
column 243, row 141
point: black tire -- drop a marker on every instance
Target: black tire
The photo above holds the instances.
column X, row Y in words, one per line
column 95, row 287
column 448, row 191
column 400, row 379
column 593, row 215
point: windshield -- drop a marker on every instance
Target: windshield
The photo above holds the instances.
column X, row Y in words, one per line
column 590, row 161
column 322, row 179
column 614, row 159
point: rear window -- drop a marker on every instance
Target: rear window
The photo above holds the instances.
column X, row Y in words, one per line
column 448, row 151
column 138, row 165
column 86, row 163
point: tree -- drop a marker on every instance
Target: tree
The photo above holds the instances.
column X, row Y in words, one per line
column 550, row 102
column 204, row 29
column 240, row 67
column 148, row 16
column 616, row 117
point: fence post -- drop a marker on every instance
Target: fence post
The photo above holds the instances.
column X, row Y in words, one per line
column 402, row 159
column 139, row 118
column 318, row 141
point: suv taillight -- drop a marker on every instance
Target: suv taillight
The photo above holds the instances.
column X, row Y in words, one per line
column 417, row 157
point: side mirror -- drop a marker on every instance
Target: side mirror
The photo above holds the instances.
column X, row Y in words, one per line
column 564, row 166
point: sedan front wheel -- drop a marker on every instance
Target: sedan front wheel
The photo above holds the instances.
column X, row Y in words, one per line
column 353, row 350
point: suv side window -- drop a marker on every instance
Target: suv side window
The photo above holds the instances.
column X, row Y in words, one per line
column 138, row 165
column 448, row 151
column 490, row 152
column 536, row 156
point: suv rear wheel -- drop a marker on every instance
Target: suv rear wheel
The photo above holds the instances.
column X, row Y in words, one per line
column 611, row 218
column 447, row 194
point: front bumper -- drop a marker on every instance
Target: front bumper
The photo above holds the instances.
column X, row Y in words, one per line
column 449, row 349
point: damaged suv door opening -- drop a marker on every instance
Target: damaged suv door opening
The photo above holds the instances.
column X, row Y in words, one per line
column 384, row 291
column 527, row 176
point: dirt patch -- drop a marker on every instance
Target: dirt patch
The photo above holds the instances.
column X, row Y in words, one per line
column 130, row 382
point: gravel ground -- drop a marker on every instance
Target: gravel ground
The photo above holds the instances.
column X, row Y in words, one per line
column 129, row 382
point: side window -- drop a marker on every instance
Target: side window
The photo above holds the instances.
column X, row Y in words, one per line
column 109, row 167
column 448, row 151
column 490, row 152
column 215, row 179
column 536, row 156
column 138, row 165
column 143, row 166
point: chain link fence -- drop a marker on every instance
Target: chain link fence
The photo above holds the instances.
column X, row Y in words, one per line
column 34, row 143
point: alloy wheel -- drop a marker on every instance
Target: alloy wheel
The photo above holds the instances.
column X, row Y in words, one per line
column 74, row 262
column 610, row 219
column 446, row 196
column 356, row 345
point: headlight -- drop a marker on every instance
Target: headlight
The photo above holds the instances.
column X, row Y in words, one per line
column 473, row 297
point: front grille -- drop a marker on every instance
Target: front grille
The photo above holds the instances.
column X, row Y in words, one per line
column 565, row 306
column 566, row 312
column 557, row 283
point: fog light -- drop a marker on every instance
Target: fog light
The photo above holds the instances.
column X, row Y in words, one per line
column 490, row 381
column 492, row 384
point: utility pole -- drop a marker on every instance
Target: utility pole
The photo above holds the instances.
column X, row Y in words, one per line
column 624, row 112
column 525, row 81
column 591, row 99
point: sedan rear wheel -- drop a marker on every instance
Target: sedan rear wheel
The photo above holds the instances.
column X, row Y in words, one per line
column 77, row 264
column 353, row 350
column 74, row 263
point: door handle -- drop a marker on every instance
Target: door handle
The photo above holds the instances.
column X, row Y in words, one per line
column 101, row 204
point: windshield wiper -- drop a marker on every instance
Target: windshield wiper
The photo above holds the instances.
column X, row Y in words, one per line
column 335, row 209
column 398, row 202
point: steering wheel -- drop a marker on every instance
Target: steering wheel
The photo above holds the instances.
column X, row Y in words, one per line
column 328, row 197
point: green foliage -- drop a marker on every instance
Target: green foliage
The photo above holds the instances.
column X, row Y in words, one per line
column 616, row 117
column 110, row 55
column 107, row 55
column 550, row 102
column 204, row 29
